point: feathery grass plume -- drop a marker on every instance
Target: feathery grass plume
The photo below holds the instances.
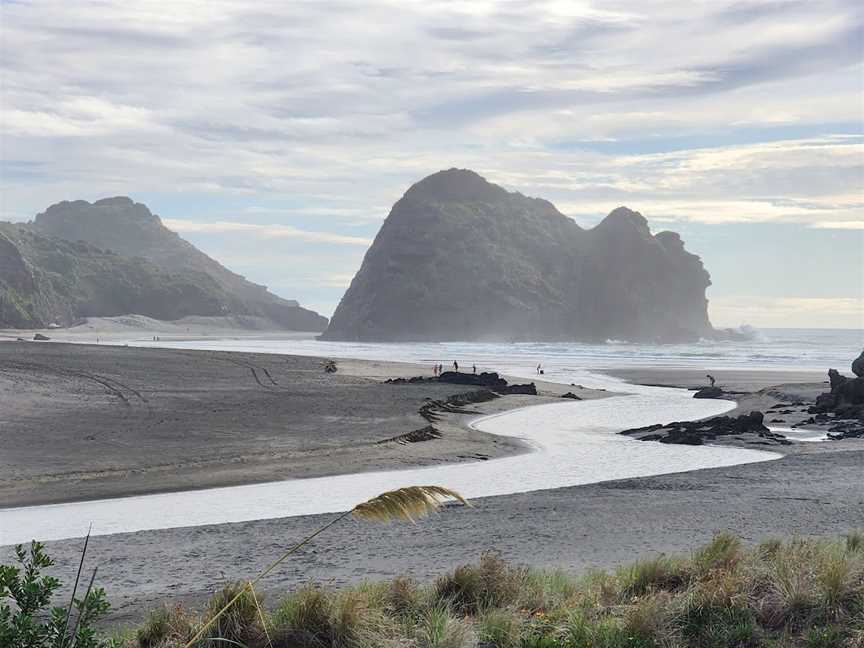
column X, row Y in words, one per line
column 408, row 503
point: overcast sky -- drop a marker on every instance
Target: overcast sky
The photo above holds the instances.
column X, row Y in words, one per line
column 276, row 135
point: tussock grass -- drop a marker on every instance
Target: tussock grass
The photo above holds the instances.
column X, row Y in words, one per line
column 491, row 583
column 242, row 623
column 646, row 576
column 779, row 594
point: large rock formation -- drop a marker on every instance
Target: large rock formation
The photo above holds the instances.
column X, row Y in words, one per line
column 115, row 257
column 842, row 408
column 459, row 258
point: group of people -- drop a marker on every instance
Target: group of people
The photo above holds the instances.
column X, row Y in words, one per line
column 438, row 369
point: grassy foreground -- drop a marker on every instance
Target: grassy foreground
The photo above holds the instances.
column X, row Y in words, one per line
column 807, row 593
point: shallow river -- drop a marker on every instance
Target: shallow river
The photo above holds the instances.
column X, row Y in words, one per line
column 575, row 442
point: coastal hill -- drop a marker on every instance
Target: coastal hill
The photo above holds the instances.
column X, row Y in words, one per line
column 460, row 258
column 114, row 257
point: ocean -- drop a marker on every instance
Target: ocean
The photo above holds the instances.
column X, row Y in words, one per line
column 780, row 349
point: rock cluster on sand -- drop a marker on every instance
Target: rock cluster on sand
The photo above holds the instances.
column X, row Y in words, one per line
column 710, row 392
column 843, row 405
column 488, row 379
column 698, row 432
column 460, row 258
column 114, row 257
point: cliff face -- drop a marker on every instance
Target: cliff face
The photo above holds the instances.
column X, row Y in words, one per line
column 115, row 257
column 459, row 258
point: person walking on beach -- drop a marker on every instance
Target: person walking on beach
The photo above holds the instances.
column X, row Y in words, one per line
column 435, row 369
column 710, row 379
column 539, row 369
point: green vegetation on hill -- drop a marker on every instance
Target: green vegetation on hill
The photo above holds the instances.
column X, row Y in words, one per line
column 793, row 594
column 48, row 280
column 114, row 257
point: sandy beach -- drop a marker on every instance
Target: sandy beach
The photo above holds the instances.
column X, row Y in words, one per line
column 204, row 418
column 88, row 421
column 592, row 526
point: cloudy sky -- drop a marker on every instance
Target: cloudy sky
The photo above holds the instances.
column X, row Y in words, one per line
column 276, row 135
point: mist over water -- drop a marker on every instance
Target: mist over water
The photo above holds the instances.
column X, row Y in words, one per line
column 781, row 349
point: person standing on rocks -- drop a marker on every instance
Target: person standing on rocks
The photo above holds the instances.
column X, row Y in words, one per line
column 455, row 366
column 710, row 379
column 474, row 367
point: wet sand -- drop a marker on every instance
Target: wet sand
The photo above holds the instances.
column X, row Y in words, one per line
column 88, row 422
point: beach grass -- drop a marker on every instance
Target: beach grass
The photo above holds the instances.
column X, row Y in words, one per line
column 795, row 593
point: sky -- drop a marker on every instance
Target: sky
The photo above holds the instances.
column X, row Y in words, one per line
column 277, row 135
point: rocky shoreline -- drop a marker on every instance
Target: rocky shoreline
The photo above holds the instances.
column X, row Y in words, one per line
column 839, row 413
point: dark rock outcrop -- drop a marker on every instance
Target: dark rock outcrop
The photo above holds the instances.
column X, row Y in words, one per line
column 460, row 258
column 490, row 380
column 846, row 398
column 455, row 404
column 698, row 432
column 114, row 257
column 571, row 396
column 842, row 408
column 710, row 392
column 835, row 379
column 428, row 433
column 528, row 389
column 858, row 366
column 486, row 379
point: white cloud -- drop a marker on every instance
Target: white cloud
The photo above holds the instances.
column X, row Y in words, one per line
column 271, row 231
column 713, row 112
column 850, row 224
column 781, row 312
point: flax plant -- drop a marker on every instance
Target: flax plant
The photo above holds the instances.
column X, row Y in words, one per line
column 407, row 504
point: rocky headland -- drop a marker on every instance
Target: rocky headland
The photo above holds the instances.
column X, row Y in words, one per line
column 114, row 257
column 460, row 258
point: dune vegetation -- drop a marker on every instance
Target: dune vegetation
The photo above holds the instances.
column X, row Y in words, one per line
column 794, row 593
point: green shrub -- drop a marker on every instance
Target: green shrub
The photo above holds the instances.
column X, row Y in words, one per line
column 438, row 628
column 25, row 597
column 500, row 627
column 646, row 576
column 241, row 623
column 404, row 598
column 796, row 594
column 492, row 583
column 723, row 552
column 854, row 541
column 304, row 617
column 829, row 637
